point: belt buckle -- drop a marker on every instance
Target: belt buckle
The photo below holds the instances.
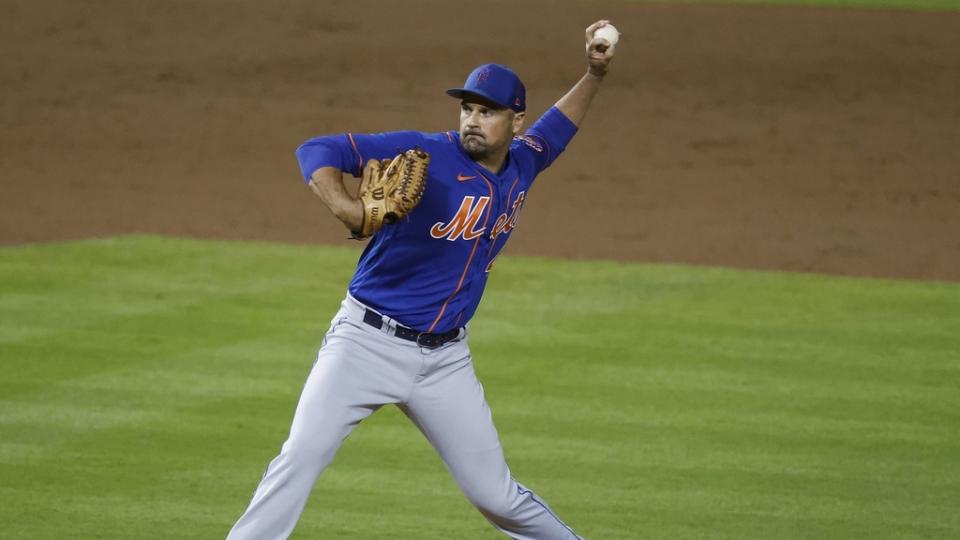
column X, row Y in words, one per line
column 422, row 344
column 436, row 340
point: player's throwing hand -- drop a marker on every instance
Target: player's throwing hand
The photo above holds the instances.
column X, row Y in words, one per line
column 600, row 48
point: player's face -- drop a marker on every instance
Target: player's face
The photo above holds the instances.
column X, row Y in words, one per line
column 486, row 129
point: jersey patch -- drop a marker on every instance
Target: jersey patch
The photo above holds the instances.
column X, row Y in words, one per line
column 529, row 141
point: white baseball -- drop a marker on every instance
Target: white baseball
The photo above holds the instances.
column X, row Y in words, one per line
column 609, row 33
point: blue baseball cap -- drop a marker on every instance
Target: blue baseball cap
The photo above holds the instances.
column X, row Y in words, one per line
column 496, row 83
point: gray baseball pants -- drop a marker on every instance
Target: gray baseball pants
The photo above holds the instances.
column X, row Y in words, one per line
column 359, row 369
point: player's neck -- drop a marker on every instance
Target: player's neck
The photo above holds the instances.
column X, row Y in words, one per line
column 493, row 162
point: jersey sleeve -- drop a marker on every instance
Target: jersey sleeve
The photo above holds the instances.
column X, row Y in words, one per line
column 349, row 152
column 548, row 138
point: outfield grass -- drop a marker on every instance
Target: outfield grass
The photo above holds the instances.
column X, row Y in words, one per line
column 145, row 383
column 920, row 5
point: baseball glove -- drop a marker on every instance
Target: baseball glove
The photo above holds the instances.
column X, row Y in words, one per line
column 390, row 189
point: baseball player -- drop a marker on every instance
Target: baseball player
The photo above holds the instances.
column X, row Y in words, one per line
column 438, row 207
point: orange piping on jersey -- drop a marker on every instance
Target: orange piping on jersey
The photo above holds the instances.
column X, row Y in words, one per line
column 449, row 136
column 359, row 156
column 459, row 285
column 466, row 267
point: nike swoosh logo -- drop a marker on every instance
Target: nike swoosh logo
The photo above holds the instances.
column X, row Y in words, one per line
column 462, row 178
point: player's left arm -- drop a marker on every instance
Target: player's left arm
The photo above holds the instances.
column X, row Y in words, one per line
column 575, row 103
column 551, row 133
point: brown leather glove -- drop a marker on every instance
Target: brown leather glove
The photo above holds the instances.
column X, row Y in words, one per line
column 390, row 189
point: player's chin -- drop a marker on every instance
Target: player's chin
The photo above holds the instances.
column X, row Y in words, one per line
column 478, row 155
column 475, row 147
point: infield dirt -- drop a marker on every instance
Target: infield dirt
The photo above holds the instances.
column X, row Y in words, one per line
column 823, row 140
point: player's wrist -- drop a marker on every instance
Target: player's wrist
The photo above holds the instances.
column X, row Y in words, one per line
column 350, row 213
column 596, row 73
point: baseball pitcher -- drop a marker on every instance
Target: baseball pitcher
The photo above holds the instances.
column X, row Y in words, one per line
column 437, row 208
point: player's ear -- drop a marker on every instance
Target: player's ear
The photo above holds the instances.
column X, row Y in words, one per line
column 518, row 119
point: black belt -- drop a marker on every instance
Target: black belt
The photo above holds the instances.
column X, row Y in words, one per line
column 424, row 339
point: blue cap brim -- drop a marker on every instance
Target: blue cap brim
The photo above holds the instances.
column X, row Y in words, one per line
column 459, row 93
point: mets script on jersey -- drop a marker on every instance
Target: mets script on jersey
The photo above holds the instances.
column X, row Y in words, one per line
column 464, row 222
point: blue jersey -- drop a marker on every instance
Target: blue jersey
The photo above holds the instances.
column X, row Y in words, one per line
column 428, row 270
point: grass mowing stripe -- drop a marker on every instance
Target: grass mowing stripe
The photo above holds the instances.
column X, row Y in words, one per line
column 145, row 382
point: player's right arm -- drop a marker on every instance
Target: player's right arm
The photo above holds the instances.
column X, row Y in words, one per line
column 323, row 160
column 327, row 183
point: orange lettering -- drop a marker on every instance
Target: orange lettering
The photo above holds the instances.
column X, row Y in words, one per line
column 506, row 223
column 515, row 213
column 464, row 222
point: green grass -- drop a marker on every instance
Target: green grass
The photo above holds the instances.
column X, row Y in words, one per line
column 919, row 5
column 146, row 382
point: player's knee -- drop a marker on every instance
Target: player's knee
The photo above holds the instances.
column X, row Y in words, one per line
column 496, row 505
